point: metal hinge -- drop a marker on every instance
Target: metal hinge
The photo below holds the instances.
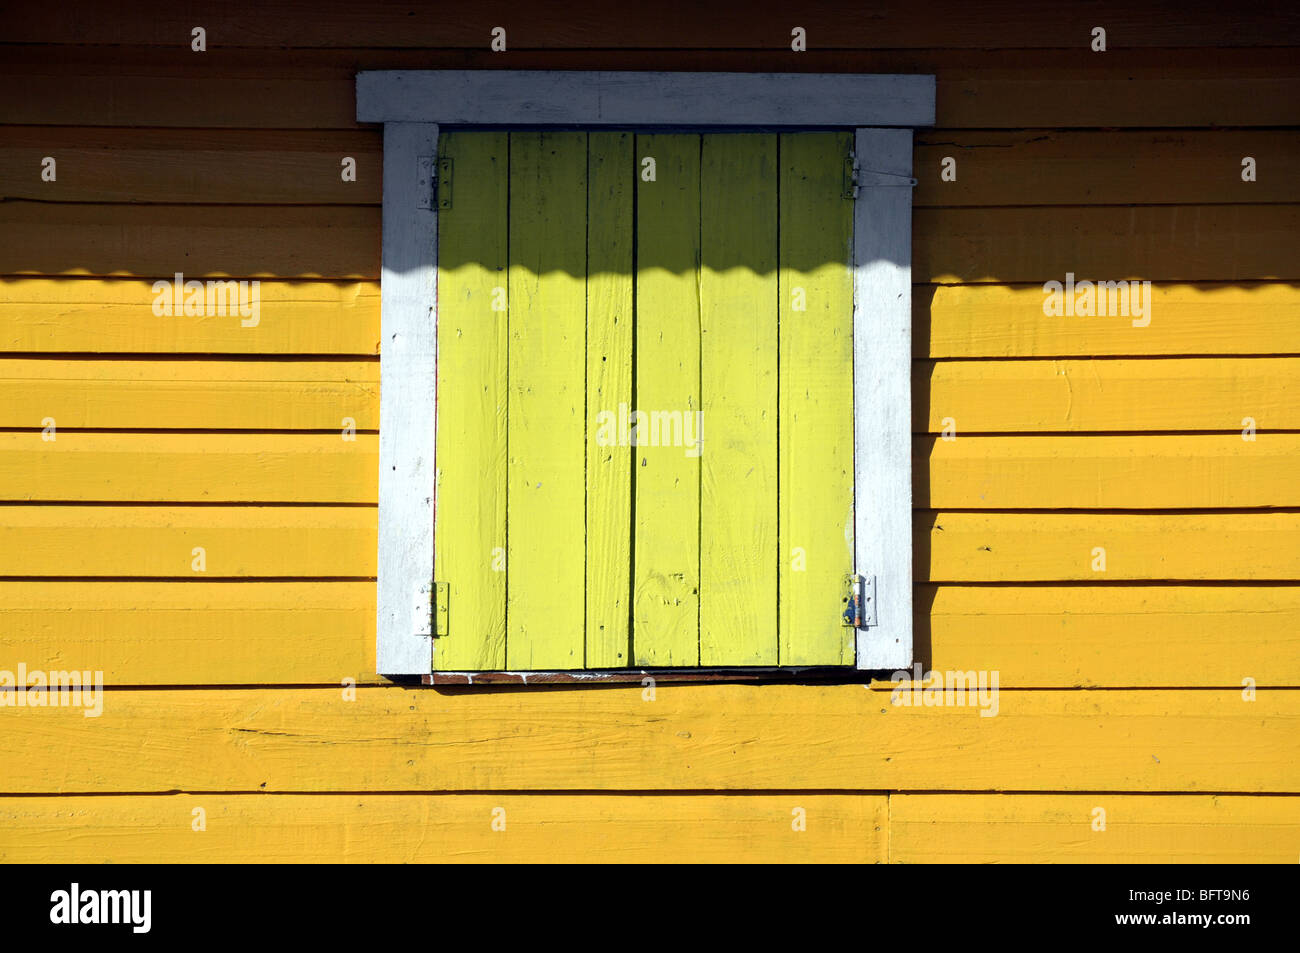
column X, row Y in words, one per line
column 859, row 601
column 850, row 190
column 442, row 185
column 441, row 607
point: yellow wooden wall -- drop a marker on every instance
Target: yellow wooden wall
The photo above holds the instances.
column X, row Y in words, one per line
column 1121, row 689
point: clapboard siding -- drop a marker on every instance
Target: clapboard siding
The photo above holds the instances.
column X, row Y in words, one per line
column 1074, row 434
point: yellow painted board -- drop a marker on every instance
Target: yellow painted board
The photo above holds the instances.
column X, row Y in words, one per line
column 1141, row 471
column 1038, row 636
column 188, row 467
column 95, row 164
column 87, row 315
column 1106, row 243
column 689, row 737
column 545, row 536
column 611, row 168
column 666, row 481
column 1104, row 395
column 235, row 541
column 1104, row 167
column 446, row 828
column 738, row 399
column 192, row 633
column 469, row 534
column 987, row 320
column 204, row 394
column 1106, row 547
column 1125, row 636
column 816, row 399
column 1068, row 828
column 242, row 241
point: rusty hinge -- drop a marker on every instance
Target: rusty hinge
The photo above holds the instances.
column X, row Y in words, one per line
column 859, row 601
column 441, row 608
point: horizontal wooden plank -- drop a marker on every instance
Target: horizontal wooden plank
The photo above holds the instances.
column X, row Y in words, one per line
column 200, row 166
column 1008, row 321
column 677, row 24
column 286, row 632
column 1103, row 243
column 446, row 828
column 209, row 633
column 1125, row 636
column 690, row 737
column 1103, row 395
column 189, row 468
column 988, row 88
column 1096, row 167
column 151, row 241
column 205, row 394
column 278, row 541
column 314, row 317
column 1158, row 243
column 84, row 315
column 1060, row 828
column 1142, row 471
column 1051, row 547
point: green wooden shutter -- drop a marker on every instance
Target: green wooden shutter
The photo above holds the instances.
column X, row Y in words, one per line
column 707, row 304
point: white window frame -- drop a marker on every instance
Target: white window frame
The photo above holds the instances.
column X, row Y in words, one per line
column 881, row 109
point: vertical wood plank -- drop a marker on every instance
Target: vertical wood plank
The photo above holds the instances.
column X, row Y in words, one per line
column 738, row 391
column 471, row 501
column 816, row 412
column 611, row 184
column 666, row 568
column 882, row 348
column 547, row 404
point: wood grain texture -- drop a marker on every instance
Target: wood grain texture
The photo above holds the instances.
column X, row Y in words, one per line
column 181, row 632
column 1156, row 243
column 1096, row 167
column 201, row 166
column 447, row 828
column 1008, row 321
column 894, row 24
column 85, row 315
column 1117, row 636
column 816, row 400
column 263, row 241
column 739, row 311
column 989, row 88
column 1104, row 395
column 691, row 737
column 546, row 416
column 611, row 171
column 1145, row 471
column 236, row 541
column 205, row 394
column 189, row 467
column 1049, row 547
column 666, row 481
column 470, row 516
column 1058, row 828
column 286, row 632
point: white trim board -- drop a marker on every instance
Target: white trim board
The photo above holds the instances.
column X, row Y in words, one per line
column 412, row 104
column 596, row 98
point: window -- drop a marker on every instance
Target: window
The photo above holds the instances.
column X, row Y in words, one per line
column 662, row 322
